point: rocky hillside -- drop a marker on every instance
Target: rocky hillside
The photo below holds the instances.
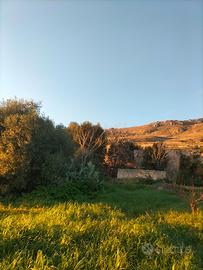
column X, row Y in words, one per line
column 175, row 134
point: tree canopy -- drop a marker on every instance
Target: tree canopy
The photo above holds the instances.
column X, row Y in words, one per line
column 90, row 141
column 27, row 141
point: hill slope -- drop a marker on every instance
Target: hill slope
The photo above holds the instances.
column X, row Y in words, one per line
column 174, row 133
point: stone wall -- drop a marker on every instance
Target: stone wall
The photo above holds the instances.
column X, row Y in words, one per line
column 140, row 173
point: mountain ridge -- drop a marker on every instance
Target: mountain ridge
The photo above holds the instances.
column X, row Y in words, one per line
column 174, row 133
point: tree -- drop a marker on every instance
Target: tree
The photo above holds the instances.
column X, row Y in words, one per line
column 116, row 135
column 155, row 157
column 90, row 141
column 50, row 152
column 16, row 119
column 27, row 141
column 118, row 155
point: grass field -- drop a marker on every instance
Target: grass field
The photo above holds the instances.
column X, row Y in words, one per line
column 124, row 227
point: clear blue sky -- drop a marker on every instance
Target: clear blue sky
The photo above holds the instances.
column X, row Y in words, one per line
column 120, row 63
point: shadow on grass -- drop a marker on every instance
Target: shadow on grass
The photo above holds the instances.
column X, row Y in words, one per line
column 31, row 240
column 138, row 199
column 184, row 237
column 49, row 241
column 131, row 199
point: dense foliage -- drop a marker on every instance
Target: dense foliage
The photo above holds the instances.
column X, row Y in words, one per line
column 32, row 150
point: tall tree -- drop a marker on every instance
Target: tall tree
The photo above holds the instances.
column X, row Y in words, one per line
column 90, row 139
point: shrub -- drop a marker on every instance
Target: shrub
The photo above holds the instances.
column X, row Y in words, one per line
column 87, row 178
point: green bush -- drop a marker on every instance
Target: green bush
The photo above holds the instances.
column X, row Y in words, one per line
column 54, row 194
column 87, row 178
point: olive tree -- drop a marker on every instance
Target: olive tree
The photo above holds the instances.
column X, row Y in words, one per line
column 28, row 140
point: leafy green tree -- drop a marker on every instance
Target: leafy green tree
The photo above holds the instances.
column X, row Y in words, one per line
column 49, row 152
column 28, row 141
column 16, row 119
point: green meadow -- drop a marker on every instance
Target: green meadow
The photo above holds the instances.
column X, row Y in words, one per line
column 122, row 227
